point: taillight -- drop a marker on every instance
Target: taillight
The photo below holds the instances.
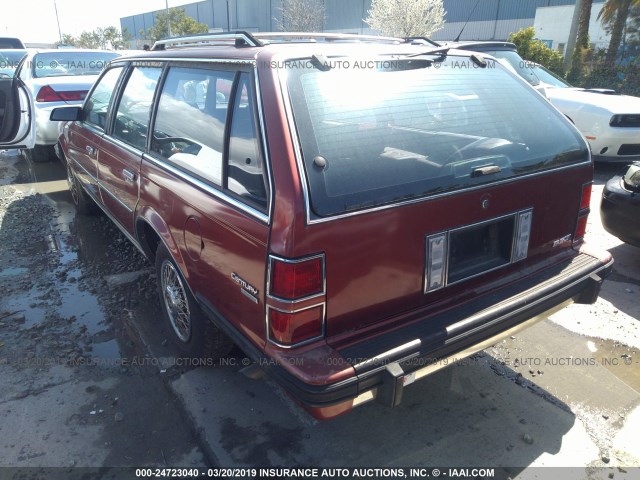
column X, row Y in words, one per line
column 583, row 214
column 581, row 228
column 48, row 94
column 73, row 96
column 291, row 321
column 585, row 198
column 291, row 328
column 296, row 279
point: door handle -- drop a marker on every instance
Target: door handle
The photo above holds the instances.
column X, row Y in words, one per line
column 90, row 150
column 129, row 175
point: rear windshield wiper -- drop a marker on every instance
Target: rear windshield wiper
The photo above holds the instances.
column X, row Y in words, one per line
column 433, row 51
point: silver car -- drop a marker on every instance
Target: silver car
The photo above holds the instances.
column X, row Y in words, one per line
column 58, row 78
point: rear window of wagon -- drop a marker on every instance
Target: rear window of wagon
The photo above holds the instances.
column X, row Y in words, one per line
column 375, row 136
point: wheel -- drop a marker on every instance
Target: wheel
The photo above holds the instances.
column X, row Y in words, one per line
column 190, row 330
column 83, row 203
column 40, row 153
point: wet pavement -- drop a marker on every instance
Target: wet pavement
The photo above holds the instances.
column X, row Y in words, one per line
column 78, row 388
column 88, row 378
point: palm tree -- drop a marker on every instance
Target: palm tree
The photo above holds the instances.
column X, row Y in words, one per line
column 615, row 11
column 582, row 42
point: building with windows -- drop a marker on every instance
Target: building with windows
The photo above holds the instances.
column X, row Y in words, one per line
column 476, row 19
column 552, row 25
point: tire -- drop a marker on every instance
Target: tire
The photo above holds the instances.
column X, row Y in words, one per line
column 193, row 334
column 81, row 200
column 40, row 153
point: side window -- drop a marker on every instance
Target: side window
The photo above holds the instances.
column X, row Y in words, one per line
column 97, row 105
column 190, row 122
column 132, row 116
column 246, row 171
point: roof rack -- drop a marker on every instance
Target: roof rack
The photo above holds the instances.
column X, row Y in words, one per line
column 245, row 39
column 238, row 39
column 303, row 37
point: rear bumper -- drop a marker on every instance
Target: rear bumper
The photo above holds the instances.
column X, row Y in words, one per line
column 48, row 131
column 382, row 366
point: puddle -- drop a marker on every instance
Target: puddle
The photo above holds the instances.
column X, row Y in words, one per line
column 106, row 350
column 69, row 297
column 66, row 255
column 28, row 305
column 86, row 255
column 14, row 272
column 98, row 281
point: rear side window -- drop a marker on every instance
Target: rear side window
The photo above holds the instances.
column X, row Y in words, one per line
column 377, row 136
column 190, row 123
column 97, row 105
column 245, row 171
column 192, row 130
column 132, row 116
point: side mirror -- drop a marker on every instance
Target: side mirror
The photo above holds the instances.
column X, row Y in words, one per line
column 66, row 114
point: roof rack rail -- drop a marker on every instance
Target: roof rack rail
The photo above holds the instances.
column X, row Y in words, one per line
column 245, row 39
column 423, row 39
column 303, row 37
column 238, row 39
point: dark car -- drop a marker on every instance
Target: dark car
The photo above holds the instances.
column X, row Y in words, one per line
column 350, row 212
column 11, row 42
column 9, row 61
column 620, row 207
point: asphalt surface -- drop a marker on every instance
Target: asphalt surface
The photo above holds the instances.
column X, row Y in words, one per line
column 87, row 378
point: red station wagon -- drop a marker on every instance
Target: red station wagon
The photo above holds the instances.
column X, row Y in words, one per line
column 351, row 211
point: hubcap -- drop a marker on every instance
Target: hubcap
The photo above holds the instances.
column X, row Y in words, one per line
column 175, row 301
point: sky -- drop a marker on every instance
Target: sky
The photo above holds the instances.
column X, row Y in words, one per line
column 34, row 21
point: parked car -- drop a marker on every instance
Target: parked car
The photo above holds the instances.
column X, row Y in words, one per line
column 9, row 61
column 508, row 54
column 609, row 121
column 58, row 78
column 11, row 42
column 620, row 207
column 17, row 118
column 347, row 212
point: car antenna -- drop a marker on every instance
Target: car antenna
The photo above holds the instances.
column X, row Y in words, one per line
column 465, row 23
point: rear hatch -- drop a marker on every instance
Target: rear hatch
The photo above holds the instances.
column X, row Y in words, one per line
column 429, row 183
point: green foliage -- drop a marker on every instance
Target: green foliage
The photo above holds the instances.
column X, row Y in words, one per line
column 108, row 38
column 582, row 57
column 534, row 50
column 180, row 24
column 582, row 47
column 67, row 40
column 623, row 78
